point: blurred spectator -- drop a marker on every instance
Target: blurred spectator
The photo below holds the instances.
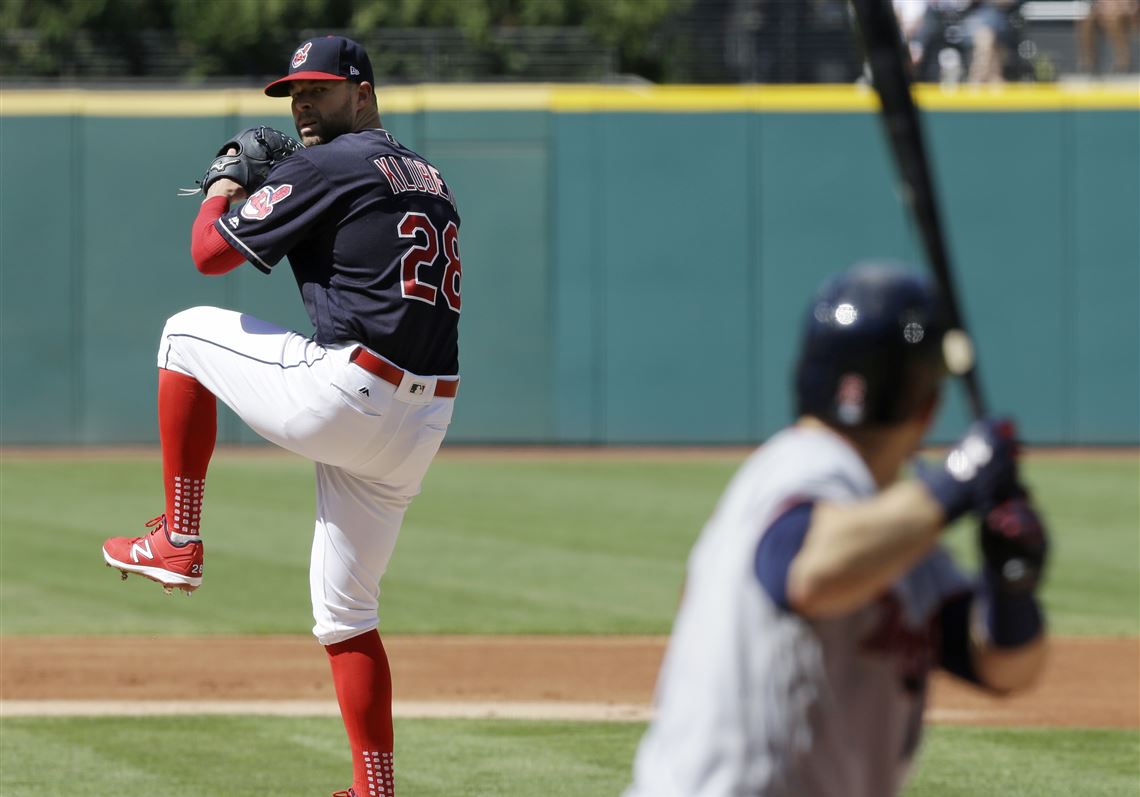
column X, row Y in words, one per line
column 979, row 31
column 910, row 14
column 1117, row 18
column 992, row 38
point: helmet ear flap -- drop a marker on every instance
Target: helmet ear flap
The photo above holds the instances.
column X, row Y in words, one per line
column 851, row 399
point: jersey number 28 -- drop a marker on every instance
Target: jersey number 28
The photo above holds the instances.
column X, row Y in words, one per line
column 429, row 243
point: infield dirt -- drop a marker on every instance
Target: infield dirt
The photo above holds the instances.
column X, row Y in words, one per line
column 1090, row 682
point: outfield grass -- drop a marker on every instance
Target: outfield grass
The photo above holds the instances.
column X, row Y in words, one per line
column 251, row 757
column 1019, row 762
column 494, row 545
column 307, row 757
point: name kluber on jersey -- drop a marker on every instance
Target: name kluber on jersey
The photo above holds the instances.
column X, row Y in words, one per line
column 405, row 174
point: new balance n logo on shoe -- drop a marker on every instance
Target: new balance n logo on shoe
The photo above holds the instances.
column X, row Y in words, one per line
column 362, row 391
column 141, row 548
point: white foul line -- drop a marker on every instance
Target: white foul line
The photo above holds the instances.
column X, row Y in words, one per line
column 596, row 712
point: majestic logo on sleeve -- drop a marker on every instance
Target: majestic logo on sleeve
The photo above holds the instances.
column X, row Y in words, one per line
column 302, row 54
column 261, row 203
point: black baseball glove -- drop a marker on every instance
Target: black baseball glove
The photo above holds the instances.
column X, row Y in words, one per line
column 258, row 150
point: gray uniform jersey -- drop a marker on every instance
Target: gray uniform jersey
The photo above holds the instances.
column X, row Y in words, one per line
column 755, row 700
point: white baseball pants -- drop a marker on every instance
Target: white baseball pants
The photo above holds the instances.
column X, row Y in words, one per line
column 371, row 441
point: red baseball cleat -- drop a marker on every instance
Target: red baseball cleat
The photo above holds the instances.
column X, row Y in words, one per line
column 346, row 793
column 172, row 563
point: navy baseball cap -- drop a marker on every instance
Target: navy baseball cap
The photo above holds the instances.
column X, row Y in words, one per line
column 326, row 58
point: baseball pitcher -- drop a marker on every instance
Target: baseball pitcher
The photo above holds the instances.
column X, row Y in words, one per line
column 371, row 233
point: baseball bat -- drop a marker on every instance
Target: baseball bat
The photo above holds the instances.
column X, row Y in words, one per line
column 886, row 53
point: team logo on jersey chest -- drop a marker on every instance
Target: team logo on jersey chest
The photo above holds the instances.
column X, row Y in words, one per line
column 302, row 54
column 910, row 648
column 261, row 202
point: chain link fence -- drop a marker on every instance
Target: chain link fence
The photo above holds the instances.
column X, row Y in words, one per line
column 709, row 41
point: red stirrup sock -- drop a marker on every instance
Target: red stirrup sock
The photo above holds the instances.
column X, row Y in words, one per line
column 188, row 428
column 364, row 692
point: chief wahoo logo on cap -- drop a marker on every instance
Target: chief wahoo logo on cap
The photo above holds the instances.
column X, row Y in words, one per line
column 302, row 54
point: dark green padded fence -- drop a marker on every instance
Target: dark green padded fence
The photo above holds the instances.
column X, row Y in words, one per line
column 633, row 272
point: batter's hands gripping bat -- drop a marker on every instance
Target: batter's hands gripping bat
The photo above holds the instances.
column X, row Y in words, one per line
column 889, row 60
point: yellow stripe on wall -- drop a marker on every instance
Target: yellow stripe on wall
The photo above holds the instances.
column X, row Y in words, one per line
column 713, row 99
column 144, row 102
column 575, row 99
column 1031, row 97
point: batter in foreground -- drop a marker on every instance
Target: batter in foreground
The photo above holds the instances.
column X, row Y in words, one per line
column 818, row 598
column 372, row 235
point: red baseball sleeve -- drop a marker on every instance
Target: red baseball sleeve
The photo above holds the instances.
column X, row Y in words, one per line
column 211, row 252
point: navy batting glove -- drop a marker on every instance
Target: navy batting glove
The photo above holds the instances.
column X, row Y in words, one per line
column 1014, row 545
column 980, row 472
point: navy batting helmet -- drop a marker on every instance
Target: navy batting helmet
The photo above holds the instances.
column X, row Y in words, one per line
column 871, row 353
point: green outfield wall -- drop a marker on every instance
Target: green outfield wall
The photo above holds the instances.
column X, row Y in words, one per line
column 635, row 259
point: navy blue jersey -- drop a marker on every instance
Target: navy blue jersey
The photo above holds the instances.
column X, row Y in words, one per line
column 371, row 231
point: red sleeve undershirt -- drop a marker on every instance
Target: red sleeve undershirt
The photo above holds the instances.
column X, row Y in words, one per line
column 212, row 253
